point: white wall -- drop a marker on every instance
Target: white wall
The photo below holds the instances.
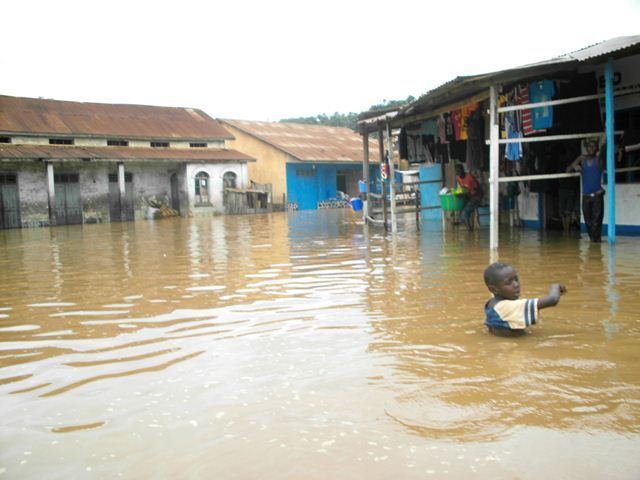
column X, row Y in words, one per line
column 215, row 172
column 627, row 205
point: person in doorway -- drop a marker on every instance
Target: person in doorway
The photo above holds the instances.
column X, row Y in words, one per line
column 590, row 168
column 474, row 196
column 506, row 314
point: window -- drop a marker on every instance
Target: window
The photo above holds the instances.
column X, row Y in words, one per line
column 113, row 177
column 160, row 144
column 61, row 141
column 305, row 172
column 8, row 179
column 5, row 139
column 66, row 178
column 198, row 145
column 117, row 143
column 202, row 188
column 229, row 180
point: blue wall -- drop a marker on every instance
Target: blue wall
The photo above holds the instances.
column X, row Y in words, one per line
column 308, row 183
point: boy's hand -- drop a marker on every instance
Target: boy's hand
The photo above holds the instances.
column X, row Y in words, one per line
column 559, row 287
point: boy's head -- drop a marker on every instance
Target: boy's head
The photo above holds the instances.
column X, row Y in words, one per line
column 460, row 170
column 592, row 147
column 502, row 281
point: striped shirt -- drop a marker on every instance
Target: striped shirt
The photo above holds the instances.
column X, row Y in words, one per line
column 522, row 97
column 512, row 314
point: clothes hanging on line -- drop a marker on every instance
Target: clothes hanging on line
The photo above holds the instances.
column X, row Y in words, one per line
column 526, row 120
column 542, row 91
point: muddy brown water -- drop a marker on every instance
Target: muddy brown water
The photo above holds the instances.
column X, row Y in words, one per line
column 306, row 346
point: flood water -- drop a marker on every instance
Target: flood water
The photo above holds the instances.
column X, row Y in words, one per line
column 306, row 346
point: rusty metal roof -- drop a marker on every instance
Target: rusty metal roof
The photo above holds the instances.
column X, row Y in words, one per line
column 65, row 152
column 309, row 143
column 37, row 116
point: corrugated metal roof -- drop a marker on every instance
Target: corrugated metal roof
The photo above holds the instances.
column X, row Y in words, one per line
column 56, row 117
column 465, row 86
column 317, row 143
column 62, row 152
column 605, row 48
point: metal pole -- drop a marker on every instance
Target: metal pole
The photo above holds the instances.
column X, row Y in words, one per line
column 392, row 179
column 121, row 189
column 494, row 170
column 384, row 183
column 51, row 194
column 611, row 175
column 365, row 173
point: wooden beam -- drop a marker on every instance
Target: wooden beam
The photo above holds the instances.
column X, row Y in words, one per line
column 401, row 121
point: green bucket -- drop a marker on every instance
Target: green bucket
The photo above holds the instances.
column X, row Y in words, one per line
column 451, row 202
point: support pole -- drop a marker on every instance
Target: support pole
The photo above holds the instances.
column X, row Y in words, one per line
column 494, row 169
column 392, row 180
column 609, row 128
column 384, row 183
column 121, row 189
column 51, row 194
column 365, row 173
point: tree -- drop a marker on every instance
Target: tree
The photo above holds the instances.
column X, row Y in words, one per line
column 348, row 120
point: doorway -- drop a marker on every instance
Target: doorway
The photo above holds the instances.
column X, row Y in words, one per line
column 9, row 201
column 68, row 202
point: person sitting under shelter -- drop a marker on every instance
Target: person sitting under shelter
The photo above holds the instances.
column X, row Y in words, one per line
column 474, row 195
column 506, row 314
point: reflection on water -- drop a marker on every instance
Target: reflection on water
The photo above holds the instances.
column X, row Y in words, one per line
column 309, row 346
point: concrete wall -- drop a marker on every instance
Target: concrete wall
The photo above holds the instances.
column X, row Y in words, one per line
column 270, row 164
column 215, row 172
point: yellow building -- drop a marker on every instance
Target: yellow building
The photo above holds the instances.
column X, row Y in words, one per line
column 308, row 166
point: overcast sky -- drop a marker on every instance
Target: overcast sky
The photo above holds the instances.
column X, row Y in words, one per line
column 265, row 60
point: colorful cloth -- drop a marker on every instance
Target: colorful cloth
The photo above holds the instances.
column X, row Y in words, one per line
column 512, row 314
column 522, row 97
column 542, row 91
column 456, row 121
column 513, row 150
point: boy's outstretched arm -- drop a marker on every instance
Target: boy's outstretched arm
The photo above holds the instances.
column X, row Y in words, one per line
column 553, row 298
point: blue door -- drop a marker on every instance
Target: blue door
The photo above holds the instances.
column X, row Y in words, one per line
column 302, row 186
column 429, row 192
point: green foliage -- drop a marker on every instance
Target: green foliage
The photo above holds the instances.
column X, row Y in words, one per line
column 347, row 120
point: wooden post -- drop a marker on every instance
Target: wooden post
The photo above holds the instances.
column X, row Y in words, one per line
column 417, row 195
column 51, row 194
column 365, row 172
column 611, row 175
column 392, row 180
column 494, row 169
column 384, row 183
column 121, row 189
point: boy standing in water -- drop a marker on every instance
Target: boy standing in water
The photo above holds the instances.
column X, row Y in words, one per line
column 506, row 314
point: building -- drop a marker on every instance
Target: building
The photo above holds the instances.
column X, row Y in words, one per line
column 523, row 126
column 307, row 165
column 71, row 163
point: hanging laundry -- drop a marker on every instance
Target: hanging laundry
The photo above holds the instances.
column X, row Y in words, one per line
column 475, row 141
column 442, row 134
column 542, row 91
column 466, row 112
column 456, row 121
column 522, row 97
column 448, row 128
column 513, row 150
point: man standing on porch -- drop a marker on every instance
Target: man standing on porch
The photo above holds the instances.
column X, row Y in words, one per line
column 590, row 168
